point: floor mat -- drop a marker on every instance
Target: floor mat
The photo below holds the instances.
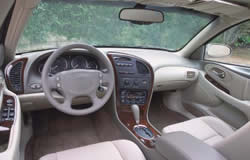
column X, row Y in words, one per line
column 161, row 117
column 55, row 131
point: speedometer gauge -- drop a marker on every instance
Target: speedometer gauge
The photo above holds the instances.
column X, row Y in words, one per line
column 79, row 62
column 59, row 65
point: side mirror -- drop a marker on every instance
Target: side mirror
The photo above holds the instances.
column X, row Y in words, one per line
column 218, row 50
column 141, row 15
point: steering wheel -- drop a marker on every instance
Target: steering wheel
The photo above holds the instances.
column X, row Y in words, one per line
column 95, row 84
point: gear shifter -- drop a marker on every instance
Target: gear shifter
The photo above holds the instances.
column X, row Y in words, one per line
column 141, row 130
column 136, row 112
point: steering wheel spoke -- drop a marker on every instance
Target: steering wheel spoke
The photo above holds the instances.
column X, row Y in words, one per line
column 94, row 98
column 67, row 101
column 105, row 79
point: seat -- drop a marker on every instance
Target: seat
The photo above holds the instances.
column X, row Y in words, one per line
column 111, row 150
column 209, row 129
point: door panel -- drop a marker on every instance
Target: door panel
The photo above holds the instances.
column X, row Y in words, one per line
column 236, row 106
column 210, row 99
column 226, row 78
column 231, row 81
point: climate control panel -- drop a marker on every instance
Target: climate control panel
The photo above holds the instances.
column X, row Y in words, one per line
column 133, row 97
column 134, row 83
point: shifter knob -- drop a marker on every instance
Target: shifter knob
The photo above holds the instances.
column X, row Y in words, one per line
column 136, row 112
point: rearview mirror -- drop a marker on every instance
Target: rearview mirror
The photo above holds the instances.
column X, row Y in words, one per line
column 141, row 15
column 218, row 50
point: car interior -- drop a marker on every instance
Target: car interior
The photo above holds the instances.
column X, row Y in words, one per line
column 124, row 79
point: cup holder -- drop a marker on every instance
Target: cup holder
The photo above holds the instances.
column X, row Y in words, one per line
column 144, row 132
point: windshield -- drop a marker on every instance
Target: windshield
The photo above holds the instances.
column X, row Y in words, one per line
column 55, row 23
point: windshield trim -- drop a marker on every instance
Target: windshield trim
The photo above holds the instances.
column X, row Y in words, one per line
column 97, row 46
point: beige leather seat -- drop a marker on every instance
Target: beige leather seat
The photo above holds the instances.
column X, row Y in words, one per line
column 209, row 129
column 114, row 150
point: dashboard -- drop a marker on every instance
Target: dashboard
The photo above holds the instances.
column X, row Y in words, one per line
column 170, row 72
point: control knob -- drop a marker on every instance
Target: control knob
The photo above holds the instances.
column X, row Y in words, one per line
column 136, row 82
column 126, row 82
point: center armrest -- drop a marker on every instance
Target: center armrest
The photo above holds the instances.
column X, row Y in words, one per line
column 183, row 146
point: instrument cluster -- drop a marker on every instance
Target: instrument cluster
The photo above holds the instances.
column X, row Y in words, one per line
column 69, row 62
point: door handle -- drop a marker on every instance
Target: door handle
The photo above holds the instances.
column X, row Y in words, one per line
column 221, row 74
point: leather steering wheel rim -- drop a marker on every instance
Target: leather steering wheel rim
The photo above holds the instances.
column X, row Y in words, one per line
column 79, row 82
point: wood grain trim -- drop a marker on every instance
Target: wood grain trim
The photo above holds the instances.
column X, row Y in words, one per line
column 216, row 84
column 124, row 111
column 7, row 70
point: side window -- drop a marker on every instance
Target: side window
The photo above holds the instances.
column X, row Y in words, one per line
column 237, row 39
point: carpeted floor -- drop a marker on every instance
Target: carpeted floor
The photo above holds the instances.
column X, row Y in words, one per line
column 161, row 117
column 55, row 131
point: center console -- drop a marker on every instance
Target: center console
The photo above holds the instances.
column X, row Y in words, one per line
column 134, row 84
column 180, row 145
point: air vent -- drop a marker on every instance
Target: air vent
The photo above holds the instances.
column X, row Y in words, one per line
column 14, row 76
column 122, row 59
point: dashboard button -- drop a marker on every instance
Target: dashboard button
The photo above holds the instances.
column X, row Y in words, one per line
column 144, row 82
column 136, row 82
column 122, row 100
column 126, row 82
column 5, row 110
column 12, row 114
column 9, row 101
column 4, row 115
column 10, row 104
